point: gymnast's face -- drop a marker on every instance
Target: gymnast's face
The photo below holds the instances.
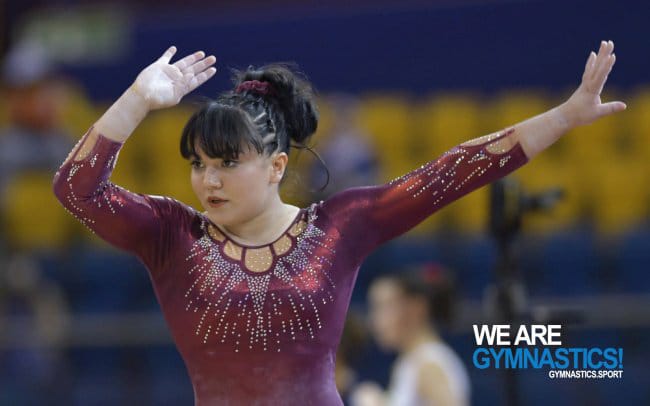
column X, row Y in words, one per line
column 246, row 184
column 392, row 313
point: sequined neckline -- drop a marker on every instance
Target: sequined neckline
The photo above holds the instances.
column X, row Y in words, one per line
column 227, row 237
column 257, row 259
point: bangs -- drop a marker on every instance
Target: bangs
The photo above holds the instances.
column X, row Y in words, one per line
column 221, row 131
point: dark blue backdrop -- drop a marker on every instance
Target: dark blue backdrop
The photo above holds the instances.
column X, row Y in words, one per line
column 416, row 48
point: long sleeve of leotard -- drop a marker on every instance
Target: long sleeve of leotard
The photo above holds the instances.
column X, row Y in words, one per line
column 370, row 215
column 133, row 222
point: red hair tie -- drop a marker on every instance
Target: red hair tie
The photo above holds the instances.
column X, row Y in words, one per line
column 432, row 272
column 255, row 86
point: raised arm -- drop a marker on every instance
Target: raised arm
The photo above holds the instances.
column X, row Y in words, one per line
column 371, row 215
column 127, row 220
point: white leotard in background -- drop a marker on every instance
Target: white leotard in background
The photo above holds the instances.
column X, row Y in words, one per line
column 402, row 389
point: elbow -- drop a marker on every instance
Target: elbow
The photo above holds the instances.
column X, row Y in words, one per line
column 64, row 187
column 61, row 188
column 58, row 186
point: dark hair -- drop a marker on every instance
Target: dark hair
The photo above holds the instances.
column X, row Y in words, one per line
column 432, row 282
column 265, row 121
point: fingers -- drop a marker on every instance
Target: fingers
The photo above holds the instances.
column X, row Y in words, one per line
column 604, row 67
column 189, row 60
column 167, row 56
column 201, row 65
column 198, row 71
column 603, row 60
column 589, row 66
column 602, row 53
column 201, row 78
column 611, row 108
column 598, row 67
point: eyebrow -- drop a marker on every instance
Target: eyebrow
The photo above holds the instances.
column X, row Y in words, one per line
column 194, row 156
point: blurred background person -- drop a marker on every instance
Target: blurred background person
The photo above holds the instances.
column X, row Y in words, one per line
column 406, row 310
column 347, row 149
column 32, row 142
column 32, row 349
column 32, row 138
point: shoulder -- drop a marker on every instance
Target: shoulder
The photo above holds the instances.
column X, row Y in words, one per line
column 179, row 224
column 172, row 210
column 439, row 353
column 347, row 199
column 170, row 203
column 430, row 371
column 349, row 208
column 441, row 371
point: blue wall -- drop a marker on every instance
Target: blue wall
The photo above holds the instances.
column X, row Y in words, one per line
column 416, row 48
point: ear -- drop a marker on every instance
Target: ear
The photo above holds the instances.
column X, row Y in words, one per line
column 279, row 162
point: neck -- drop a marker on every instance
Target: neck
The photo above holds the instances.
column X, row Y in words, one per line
column 266, row 226
column 418, row 337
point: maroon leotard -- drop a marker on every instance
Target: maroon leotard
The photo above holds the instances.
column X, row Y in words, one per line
column 260, row 325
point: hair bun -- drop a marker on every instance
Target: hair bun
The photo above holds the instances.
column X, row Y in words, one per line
column 290, row 93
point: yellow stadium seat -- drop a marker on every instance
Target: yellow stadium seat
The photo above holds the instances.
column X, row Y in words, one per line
column 403, row 142
column 77, row 112
column 442, row 123
column 389, row 120
column 543, row 173
column 33, row 218
column 599, row 138
column 166, row 172
column 448, row 120
column 512, row 107
column 637, row 122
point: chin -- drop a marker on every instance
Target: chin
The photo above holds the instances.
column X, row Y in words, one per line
column 221, row 217
column 213, row 215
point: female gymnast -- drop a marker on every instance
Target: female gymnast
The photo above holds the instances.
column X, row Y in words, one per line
column 407, row 308
column 254, row 290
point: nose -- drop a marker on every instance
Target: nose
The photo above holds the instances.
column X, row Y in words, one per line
column 212, row 179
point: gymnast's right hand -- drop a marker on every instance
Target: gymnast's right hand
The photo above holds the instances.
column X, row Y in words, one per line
column 163, row 84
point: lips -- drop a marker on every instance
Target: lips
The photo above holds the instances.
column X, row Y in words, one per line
column 215, row 201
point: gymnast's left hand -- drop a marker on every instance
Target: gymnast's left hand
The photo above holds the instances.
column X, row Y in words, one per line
column 585, row 106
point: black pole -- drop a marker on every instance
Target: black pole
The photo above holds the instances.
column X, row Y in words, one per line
column 508, row 297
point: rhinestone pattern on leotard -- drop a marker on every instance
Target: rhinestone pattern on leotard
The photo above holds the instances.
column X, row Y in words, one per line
column 80, row 152
column 223, row 312
column 444, row 177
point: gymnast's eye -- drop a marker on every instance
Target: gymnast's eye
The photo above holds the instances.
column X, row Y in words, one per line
column 229, row 163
